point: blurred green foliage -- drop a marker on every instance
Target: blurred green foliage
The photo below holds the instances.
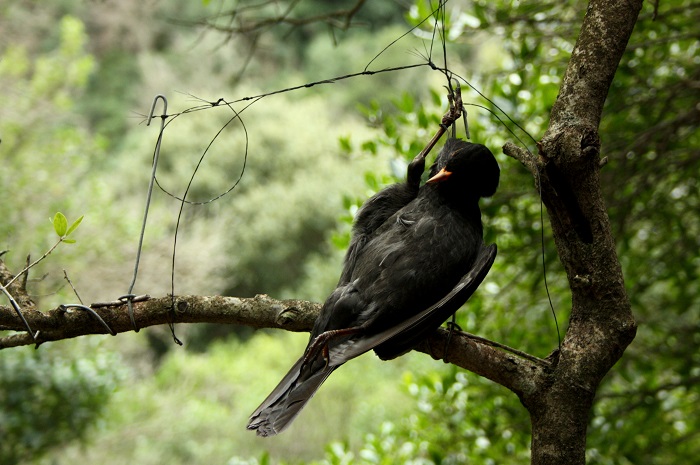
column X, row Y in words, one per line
column 77, row 78
column 50, row 396
column 471, row 421
column 45, row 157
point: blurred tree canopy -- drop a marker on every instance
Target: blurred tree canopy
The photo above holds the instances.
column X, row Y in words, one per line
column 73, row 73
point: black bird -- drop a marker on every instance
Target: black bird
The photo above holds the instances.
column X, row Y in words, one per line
column 382, row 205
column 401, row 282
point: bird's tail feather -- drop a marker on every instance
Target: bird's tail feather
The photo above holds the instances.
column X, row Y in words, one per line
column 285, row 402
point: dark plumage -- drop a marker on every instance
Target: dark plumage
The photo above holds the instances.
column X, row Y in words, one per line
column 382, row 205
column 413, row 266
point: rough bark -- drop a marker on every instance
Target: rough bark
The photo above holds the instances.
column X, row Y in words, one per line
column 509, row 367
column 601, row 325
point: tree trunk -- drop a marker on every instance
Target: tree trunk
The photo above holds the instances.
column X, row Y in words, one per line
column 567, row 172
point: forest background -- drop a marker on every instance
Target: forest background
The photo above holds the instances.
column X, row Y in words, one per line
column 75, row 75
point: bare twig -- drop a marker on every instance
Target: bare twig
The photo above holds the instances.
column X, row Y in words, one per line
column 75, row 291
column 33, row 264
column 522, row 155
column 339, row 19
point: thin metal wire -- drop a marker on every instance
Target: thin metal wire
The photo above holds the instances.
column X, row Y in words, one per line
column 129, row 296
column 91, row 312
column 18, row 310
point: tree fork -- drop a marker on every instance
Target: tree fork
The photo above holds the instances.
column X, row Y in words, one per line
column 601, row 325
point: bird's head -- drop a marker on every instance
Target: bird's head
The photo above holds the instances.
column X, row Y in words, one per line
column 471, row 166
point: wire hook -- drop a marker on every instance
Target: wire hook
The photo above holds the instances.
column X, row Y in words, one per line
column 129, row 297
column 153, row 108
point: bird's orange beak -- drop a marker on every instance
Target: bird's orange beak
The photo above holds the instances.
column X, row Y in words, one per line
column 441, row 176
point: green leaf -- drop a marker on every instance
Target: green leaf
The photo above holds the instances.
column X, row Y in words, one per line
column 60, row 224
column 340, row 241
column 390, row 128
column 350, row 202
column 422, row 119
column 371, row 181
column 69, row 241
column 406, row 103
column 370, row 146
column 345, row 144
column 75, row 225
column 437, row 97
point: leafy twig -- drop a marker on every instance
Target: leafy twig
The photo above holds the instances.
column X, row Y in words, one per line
column 60, row 225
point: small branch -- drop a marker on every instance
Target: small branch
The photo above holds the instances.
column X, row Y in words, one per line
column 117, row 303
column 70, row 283
column 25, row 276
column 504, row 347
column 523, row 374
column 35, row 262
column 341, row 19
column 523, row 156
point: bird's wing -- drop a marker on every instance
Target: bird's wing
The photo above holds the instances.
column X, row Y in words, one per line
column 412, row 330
column 373, row 213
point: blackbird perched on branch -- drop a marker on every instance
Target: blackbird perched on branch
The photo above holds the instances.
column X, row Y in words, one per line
column 416, row 256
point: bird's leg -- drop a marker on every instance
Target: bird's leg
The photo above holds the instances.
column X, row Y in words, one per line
column 451, row 100
column 461, row 109
column 456, row 110
column 466, row 124
column 456, row 107
column 320, row 344
column 448, row 119
column 414, row 172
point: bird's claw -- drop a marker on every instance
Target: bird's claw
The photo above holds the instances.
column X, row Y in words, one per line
column 456, row 106
column 455, row 111
column 320, row 344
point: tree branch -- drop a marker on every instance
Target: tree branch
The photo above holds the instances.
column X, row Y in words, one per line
column 523, row 374
column 260, row 311
column 515, row 370
column 601, row 325
column 523, row 156
column 341, row 19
